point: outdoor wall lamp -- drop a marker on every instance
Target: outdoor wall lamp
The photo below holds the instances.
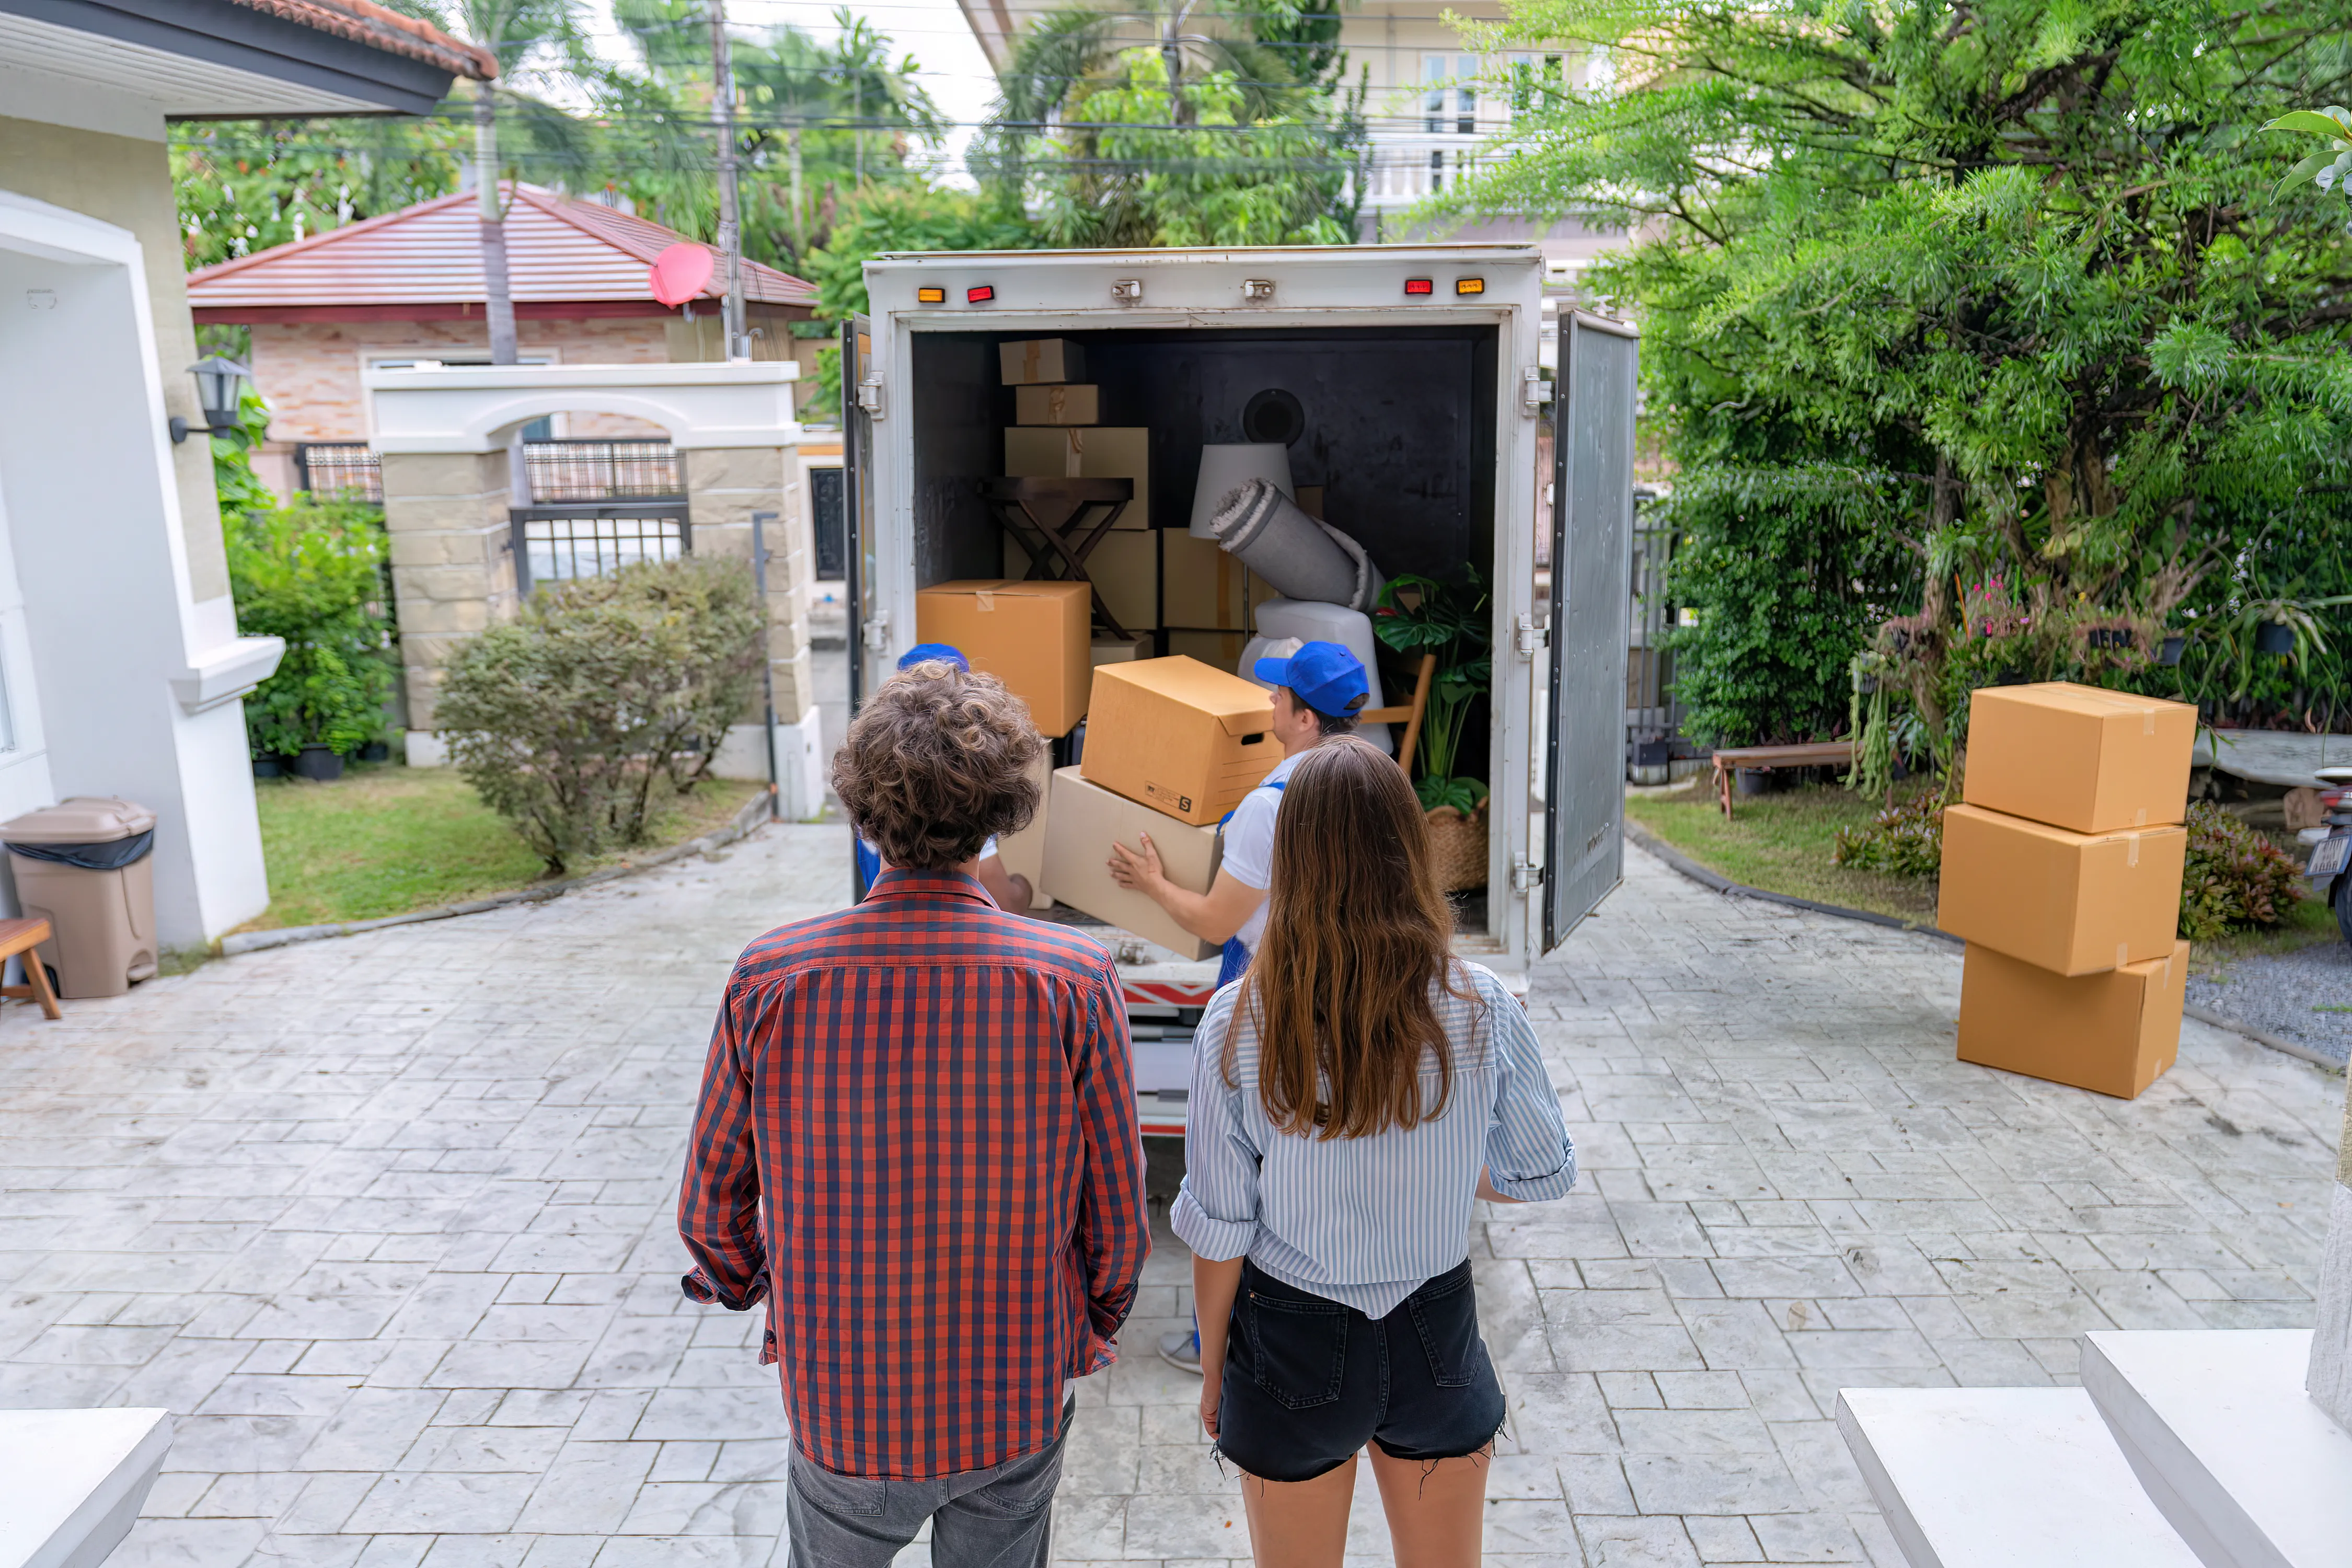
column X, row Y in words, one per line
column 220, row 386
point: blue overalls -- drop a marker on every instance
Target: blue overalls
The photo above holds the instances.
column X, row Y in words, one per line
column 1236, row 957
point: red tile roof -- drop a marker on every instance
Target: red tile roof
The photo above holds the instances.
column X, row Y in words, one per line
column 380, row 27
column 559, row 252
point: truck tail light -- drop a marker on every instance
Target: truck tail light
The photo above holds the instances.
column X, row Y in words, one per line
column 981, row 295
column 928, row 295
column 1469, row 284
column 1419, row 286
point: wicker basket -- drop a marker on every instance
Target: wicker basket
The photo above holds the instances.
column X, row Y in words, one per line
column 1458, row 845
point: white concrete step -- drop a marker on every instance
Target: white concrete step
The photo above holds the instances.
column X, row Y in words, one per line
column 71, row 1482
column 2003, row 1478
column 2216, row 1424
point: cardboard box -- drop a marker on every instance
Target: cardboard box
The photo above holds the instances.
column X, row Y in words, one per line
column 2077, row 757
column 1059, row 403
column 1033, row 636
column 1087, row 820
column 1128, row 652
column 1179, row 736
column 1206, row 589
column 1218, row 650
column 2073, row 903
column 1024, row 851
column 1085, row 452
column 1124, row 566
column 2115, row 1033
column 1034, row 360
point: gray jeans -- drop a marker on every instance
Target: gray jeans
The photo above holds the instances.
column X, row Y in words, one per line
column 1001, row 1517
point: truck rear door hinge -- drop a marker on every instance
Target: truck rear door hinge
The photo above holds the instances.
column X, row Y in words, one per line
column 1531, row 638
column 1524, row 877
column 878, row 632
column 870, row 393
column 1534, row 390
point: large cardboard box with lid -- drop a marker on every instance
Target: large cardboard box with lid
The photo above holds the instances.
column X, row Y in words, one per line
column 2073, row 903
column 1083, row 820
column 2113, row 1033
column 1033, row 636
column 1178, row 736
column 2078, row 757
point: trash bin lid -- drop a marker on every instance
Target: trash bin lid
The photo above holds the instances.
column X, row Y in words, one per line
column 79, row 819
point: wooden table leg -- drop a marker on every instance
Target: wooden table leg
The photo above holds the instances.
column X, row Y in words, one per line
column 38, row 974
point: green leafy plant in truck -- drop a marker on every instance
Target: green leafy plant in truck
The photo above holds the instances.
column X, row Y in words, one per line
column 608, row 696
column 312, row 573
column 1417, row 616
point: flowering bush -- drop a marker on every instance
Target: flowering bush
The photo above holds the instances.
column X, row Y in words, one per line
column 1906, row 840
column 2234, row 876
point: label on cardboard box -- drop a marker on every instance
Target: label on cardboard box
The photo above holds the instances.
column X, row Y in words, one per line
column 1178, row 735
column 2113, row 1033
column 2079, row 757
column 2072, row 903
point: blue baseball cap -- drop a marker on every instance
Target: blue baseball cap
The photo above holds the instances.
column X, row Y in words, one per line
column 934, row 653
column 1323, row 675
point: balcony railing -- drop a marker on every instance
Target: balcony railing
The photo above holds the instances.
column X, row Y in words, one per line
column 589, row 470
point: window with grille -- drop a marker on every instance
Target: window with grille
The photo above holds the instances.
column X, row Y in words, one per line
column 556, row 543
column 344, row 469
column 1462, row 95
column 602, row 470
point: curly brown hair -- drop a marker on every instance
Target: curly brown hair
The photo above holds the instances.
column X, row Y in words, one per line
column 939, row 761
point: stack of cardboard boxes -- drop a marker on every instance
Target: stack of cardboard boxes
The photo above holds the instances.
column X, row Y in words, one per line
column 2061, row 869
column 1057, row 434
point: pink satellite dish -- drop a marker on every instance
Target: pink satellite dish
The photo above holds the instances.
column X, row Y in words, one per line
column 679, row 272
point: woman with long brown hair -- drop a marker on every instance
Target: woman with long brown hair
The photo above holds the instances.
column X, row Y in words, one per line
column 1353, row 1093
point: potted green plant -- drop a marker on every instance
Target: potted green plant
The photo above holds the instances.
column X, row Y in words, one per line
column 1418, row 616
column 313, row 574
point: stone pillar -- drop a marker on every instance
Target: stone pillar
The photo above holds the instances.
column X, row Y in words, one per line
column 453, row 570
column 724, row 486
column 2330, row 1380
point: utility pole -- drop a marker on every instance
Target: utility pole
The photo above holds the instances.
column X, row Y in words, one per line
column 730, row 218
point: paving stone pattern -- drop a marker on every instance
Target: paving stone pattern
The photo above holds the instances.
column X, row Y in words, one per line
column 387, row 1221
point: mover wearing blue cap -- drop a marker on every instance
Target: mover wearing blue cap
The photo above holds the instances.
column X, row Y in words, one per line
column 1011, row 889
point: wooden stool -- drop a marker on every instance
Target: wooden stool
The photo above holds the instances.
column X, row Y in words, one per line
column 22, row 936
column 1044, row 516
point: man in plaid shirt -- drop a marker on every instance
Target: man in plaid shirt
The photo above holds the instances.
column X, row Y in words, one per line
column 917, row 1138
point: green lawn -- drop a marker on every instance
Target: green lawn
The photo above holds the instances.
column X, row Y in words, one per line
column 387, row 840
column 1781, row 843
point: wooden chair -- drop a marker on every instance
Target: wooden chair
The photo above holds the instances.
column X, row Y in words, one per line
column 1409, row 714
column 21, row 937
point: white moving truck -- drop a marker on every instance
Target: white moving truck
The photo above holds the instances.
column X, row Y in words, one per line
column 1408, row 381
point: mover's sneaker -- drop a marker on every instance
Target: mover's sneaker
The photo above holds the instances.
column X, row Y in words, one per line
column 1181, row 1350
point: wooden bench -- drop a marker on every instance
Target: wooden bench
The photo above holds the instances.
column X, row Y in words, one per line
column 1822, row 754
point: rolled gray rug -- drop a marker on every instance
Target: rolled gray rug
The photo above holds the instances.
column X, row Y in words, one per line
column 1302, row 558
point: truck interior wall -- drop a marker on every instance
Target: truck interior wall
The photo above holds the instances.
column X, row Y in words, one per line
column 1399, row 430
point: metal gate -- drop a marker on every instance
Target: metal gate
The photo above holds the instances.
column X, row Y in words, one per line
column 556, row 542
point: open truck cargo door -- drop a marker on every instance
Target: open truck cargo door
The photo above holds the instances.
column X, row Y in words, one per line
column 868, row 628
column 1592, row 565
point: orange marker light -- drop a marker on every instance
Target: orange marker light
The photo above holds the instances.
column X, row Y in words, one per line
column 1419, row 286
column 980, row 295
column 930, row 296
column 1469, row 284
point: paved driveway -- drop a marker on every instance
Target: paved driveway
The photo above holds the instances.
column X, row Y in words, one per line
column 388, row 1221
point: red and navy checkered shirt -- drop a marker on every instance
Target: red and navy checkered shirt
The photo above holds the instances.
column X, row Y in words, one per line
column 936, row 1102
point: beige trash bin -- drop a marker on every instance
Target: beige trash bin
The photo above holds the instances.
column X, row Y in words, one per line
column 88, row 866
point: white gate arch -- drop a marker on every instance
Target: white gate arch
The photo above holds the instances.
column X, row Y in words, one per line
column 448, row 437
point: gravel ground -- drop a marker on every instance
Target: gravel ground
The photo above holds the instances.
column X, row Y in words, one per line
column 2305, row 995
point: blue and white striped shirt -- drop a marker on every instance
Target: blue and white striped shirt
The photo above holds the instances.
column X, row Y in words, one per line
column 1366, row 1221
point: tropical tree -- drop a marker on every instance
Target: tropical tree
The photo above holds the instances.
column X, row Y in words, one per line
column 1180, row 121
column 1969, row 326
column 546, row 39
column 245, row 187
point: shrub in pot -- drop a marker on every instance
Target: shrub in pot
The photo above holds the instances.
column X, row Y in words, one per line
column 604, row 698
column 313, row 574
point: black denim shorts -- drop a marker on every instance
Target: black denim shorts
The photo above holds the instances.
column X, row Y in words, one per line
column 1309, row 1381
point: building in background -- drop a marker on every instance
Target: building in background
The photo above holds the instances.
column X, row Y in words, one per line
column 121, row 666
column 407, row 286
